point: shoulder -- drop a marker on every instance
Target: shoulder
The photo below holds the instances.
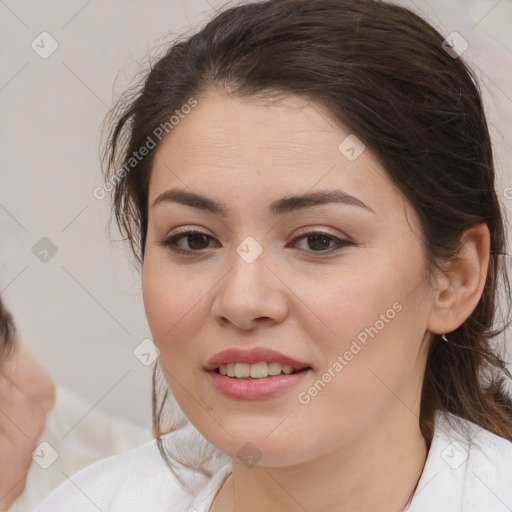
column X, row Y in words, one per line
column 489, row 472
column 468, row 468
column 136, row 480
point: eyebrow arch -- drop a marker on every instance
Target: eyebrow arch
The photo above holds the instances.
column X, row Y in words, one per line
column 279, row 207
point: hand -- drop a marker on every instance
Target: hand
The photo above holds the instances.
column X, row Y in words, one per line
column 27, row 394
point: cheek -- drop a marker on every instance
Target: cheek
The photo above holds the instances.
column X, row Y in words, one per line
column 372, row 321
column 368, row 349
column 175, row 305
column 348, row 306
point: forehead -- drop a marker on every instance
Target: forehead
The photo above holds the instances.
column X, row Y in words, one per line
column 289, row 132
column 246, row 148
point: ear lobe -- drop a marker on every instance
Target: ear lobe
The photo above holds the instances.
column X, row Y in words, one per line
column 460, row 288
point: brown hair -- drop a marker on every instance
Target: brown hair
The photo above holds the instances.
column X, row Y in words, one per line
column 7, row 334
column 381, row 70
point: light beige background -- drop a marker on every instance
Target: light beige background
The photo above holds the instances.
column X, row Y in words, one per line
column 81, row 311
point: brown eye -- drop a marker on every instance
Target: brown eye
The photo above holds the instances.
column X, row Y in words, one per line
column 319, row 242
column 195, row 241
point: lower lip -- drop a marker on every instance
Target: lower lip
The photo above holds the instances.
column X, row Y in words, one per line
column 255, row 389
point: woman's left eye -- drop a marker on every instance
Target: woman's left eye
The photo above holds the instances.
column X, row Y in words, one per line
column 319, row 240
column 198, row 241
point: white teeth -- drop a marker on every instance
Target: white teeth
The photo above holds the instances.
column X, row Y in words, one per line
column 274, row 368
column 255, row 371
column 258, row 370
column 242, row 370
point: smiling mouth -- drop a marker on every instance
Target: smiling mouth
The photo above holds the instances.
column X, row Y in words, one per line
column 257, row 371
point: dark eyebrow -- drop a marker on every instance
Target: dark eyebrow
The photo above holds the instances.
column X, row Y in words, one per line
column 279, row 207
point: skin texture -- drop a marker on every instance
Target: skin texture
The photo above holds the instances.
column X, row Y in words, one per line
column 27, row 394
column 357, row 444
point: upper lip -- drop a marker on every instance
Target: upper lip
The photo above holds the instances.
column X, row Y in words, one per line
column 251, row 356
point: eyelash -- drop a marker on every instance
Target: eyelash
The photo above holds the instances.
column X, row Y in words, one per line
column 171, row 241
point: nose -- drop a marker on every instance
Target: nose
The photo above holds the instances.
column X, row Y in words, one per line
column 250, row 294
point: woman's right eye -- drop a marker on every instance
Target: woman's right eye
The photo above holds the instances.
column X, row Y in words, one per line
column 193, row 238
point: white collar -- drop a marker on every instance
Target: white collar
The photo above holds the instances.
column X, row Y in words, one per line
column 468, row 471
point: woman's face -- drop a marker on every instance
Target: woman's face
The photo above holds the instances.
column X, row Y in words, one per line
column 339, row 286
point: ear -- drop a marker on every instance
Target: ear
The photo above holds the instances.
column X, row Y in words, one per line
column 459, row 289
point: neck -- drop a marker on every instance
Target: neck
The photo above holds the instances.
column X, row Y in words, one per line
column 377, row 471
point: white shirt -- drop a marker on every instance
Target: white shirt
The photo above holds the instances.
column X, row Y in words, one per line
column 461, row 474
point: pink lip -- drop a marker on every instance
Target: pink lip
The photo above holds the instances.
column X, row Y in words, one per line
column 252, row 356
column 255, row 389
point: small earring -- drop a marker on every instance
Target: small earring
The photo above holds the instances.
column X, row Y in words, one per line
column 444, row 337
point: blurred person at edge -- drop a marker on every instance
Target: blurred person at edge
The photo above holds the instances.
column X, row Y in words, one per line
column 32, row 410
column 27, row 395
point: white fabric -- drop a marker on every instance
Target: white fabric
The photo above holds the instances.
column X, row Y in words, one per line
column 80, row 436
column 471, row 473
column 459, row 475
